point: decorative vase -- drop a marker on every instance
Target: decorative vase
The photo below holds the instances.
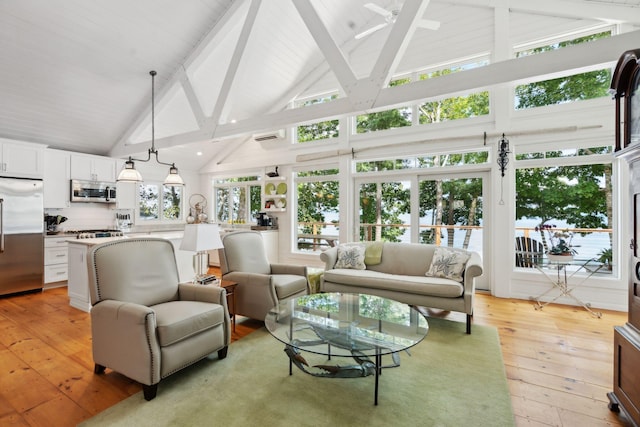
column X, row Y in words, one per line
column 560, row 258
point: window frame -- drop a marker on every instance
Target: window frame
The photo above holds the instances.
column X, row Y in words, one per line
column 161, row 218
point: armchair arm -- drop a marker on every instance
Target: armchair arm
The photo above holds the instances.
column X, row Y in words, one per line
column 204, row 293
column 298, row 270
column 124, row 339
column 207, row 293
column 255, row 294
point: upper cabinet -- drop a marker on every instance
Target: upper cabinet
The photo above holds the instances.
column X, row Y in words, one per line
column 93, row 168
column 21, row 159
column 274, row 197
column 56, row 179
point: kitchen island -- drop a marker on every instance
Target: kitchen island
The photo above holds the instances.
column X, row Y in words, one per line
column 78, row 280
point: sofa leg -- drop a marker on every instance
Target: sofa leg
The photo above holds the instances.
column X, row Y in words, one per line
column 222, row 353
column 149, row 391
column 98, row 369
column 468, row 324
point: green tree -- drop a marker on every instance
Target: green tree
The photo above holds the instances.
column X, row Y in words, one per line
column 316, row 199
column 321, row 130
column 381, row 207
column 589, row 85
column 578, row 195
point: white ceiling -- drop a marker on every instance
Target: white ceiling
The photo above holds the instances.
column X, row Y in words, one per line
column 74, row 73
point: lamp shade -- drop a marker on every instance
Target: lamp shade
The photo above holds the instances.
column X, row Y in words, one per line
column 201, row 237
column 129, row 173
column 173, row 179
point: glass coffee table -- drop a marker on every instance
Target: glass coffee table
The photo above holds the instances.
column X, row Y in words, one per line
column 361, row 327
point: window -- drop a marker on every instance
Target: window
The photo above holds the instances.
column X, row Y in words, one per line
column 451, row 212
column 576, row 87
column 570, row 191
column 237, row 200
column 389, row 119
column 160, row 202
column 460, row 107
column 327, row 129
column 317, row 209
column 385, row 210
column 431, row 161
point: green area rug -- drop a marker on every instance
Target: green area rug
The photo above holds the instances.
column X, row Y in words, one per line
column 450, row 379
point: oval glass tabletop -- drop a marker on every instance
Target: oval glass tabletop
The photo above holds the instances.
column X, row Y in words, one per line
column 342, row 324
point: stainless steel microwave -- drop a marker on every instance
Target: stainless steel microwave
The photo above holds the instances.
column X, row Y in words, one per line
column 93, row 191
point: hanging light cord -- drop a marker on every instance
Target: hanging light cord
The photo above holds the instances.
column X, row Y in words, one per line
column 153, row 150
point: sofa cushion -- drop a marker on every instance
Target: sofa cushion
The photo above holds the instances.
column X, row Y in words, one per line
column 448, row 264
column 177, row 320
column 421, row 285
column 351, row 256
column 409, row 259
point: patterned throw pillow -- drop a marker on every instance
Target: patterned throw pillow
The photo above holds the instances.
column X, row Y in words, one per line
column 448, row 264
column 350, row 256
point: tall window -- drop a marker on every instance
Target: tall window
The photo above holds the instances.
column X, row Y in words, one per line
column 160, row 202
column 568, row 191
column 385, row 211
column 317, row 209
column 451, row 212
column 237, row 200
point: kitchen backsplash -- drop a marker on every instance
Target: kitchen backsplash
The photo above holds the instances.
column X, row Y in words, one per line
column 87, row 217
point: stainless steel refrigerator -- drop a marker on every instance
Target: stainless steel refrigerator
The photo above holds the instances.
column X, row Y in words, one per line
column 21, row 235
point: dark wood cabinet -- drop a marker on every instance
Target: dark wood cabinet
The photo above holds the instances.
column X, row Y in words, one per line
column 626, row 359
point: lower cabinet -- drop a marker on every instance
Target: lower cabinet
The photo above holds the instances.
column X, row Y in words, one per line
column 626, row 375
column 78, row 281
column 78, row 277
column 55, row 261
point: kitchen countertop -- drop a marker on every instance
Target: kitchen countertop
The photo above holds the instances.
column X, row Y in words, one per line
column 169, row 235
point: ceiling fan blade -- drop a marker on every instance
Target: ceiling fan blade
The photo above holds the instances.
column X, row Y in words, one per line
column 379, row 10
column 371, row 30
column 429, row 24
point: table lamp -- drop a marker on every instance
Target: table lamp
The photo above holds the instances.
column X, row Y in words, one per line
column 200, row 238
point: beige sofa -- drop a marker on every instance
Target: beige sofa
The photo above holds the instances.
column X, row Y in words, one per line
column 400, row 273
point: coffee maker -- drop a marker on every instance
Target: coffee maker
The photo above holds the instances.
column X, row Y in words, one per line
column 263, row 219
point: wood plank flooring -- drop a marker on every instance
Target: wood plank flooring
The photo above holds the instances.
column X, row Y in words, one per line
column 559, row 361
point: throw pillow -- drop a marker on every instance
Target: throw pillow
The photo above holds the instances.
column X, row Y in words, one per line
column 373, row 253
column 448, row 263
column 350, row 256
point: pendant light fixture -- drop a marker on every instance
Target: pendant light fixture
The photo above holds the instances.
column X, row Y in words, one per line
column 129, row 172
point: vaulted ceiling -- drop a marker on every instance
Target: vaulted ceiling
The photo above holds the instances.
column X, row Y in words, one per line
column 74, row 74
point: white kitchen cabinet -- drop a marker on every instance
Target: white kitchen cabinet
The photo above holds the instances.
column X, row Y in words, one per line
column 55, row 260
column 93, row 168
column 126, row 193
column 21, row 159
column 57, row 174
column 78, row 277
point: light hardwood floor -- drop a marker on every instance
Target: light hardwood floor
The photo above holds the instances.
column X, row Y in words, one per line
column 558, row 362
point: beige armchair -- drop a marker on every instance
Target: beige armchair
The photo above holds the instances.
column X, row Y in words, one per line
column 144, row 324
column 260, row 284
